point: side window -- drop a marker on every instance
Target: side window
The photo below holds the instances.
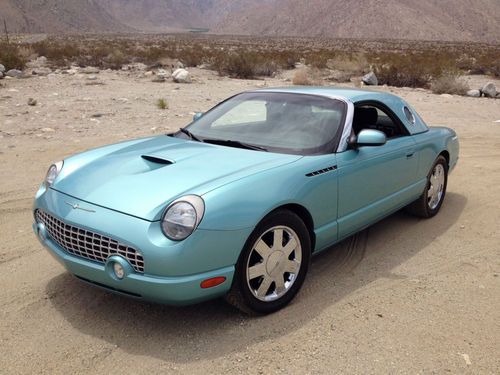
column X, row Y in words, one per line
column 371, row 117
column 247, row 112
column 409, row 115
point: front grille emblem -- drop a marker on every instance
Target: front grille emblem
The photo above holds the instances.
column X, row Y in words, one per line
column 76, row 206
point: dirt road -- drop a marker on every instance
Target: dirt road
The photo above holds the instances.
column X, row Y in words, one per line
column 405, row 296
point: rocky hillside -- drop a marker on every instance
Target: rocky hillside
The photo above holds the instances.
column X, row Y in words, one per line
column 56, row 16
column 454, row 20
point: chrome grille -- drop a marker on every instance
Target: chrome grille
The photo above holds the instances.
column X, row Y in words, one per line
column 87, row 244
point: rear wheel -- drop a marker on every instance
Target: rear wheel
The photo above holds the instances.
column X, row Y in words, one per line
column 432, row 198
column 273, row 264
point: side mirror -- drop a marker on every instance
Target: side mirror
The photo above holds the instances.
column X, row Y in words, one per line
column 370, row 137
column 197, row 116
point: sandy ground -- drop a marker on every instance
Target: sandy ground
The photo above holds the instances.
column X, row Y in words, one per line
column 405, row 296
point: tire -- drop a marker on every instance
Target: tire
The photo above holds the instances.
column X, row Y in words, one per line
column 269, row 274
column 432, row 198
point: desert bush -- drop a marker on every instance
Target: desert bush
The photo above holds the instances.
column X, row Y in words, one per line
column 12, row 56
column 244, row 64
column 161, row 104
column 58, row 54
column 301, row 77
column 411, row 69
column 449, row 84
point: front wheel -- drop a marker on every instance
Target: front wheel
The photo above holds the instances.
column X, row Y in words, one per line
column 273, row 264
column 432, row 198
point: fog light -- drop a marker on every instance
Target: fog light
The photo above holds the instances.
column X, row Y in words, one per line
column 119, row 271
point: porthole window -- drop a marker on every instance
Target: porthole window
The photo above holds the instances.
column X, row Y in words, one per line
column 409, row 115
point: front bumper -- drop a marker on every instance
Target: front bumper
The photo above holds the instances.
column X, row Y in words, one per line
column 173, row 271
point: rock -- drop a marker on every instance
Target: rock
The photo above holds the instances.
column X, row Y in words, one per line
column 158, row 79
column 474, row 93
column 73, row 71
column 47, row 130
column 370, row 79
column 181, row 76
column 37, row 63
column 489, row 90
column 148, row 74
column 163, row 73
column 41, row 71
column 179, row 65
column 92, row 78
column 14, row 73
column 32, row 102
column 449, row 96
column 1, row 75
column 90, row 70
column 2, row 68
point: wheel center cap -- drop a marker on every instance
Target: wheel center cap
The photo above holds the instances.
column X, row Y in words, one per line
column 274, row 262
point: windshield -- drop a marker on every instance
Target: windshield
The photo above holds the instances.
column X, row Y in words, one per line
column 276, row 122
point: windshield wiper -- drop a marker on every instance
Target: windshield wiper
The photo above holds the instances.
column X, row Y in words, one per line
column 190, row 135
column 232, row 143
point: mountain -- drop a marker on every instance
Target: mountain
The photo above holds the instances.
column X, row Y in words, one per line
column 56, row 16
column 453, row 20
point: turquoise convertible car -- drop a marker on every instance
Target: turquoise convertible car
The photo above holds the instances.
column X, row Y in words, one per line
column 236, row 203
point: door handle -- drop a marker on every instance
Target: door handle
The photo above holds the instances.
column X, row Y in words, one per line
column 410, row 154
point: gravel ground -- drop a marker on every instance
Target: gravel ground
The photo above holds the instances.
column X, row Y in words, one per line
column 405, row 296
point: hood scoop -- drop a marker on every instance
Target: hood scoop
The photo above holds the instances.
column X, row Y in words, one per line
column 157, row 160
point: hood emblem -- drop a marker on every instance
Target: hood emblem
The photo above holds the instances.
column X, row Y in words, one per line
column 76, row 206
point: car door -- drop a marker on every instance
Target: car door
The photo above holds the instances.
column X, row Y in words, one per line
column 373, row 181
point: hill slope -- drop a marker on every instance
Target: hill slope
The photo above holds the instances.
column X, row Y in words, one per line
column 458, row 20
column 454, row 20
column 56, row 16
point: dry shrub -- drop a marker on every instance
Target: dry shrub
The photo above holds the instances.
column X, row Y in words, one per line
column 449, row 84
column 412, row 69
column 301, row 77
column 12, row 56
column 355, row 63
column 307, row 77
column 244, row 64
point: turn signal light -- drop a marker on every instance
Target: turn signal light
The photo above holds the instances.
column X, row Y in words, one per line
column 210, row 283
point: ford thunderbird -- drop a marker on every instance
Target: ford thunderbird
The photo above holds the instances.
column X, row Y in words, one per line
column 237, row 202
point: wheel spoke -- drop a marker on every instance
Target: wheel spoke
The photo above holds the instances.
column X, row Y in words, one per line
column 292, row 266
column 264, row 286
column 290, row 246
column 262, row 248
column 256, row 271
column 280, row 284
column 278, row 239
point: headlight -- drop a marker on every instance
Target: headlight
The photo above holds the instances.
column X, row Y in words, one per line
column 53, row 172
column 182, row 217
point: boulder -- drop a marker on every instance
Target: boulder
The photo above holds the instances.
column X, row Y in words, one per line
column 39, row 62
column 90, row 70
column 32, row 102
column 474, row 93
column 14, row 73
column 41, row 71
column 158, row 79
column 1, row 75
column 163, row 73
column 179, row 65
column 370, row 79
column 181, row 76
column 2, row 68
column 489, row 90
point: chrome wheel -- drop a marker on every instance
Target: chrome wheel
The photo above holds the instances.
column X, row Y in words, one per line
column 436, row 186
column 274, row 263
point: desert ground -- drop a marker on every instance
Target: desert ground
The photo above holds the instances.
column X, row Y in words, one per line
column 405, row 296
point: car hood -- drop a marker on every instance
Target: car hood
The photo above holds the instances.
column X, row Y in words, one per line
column 141, row 177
